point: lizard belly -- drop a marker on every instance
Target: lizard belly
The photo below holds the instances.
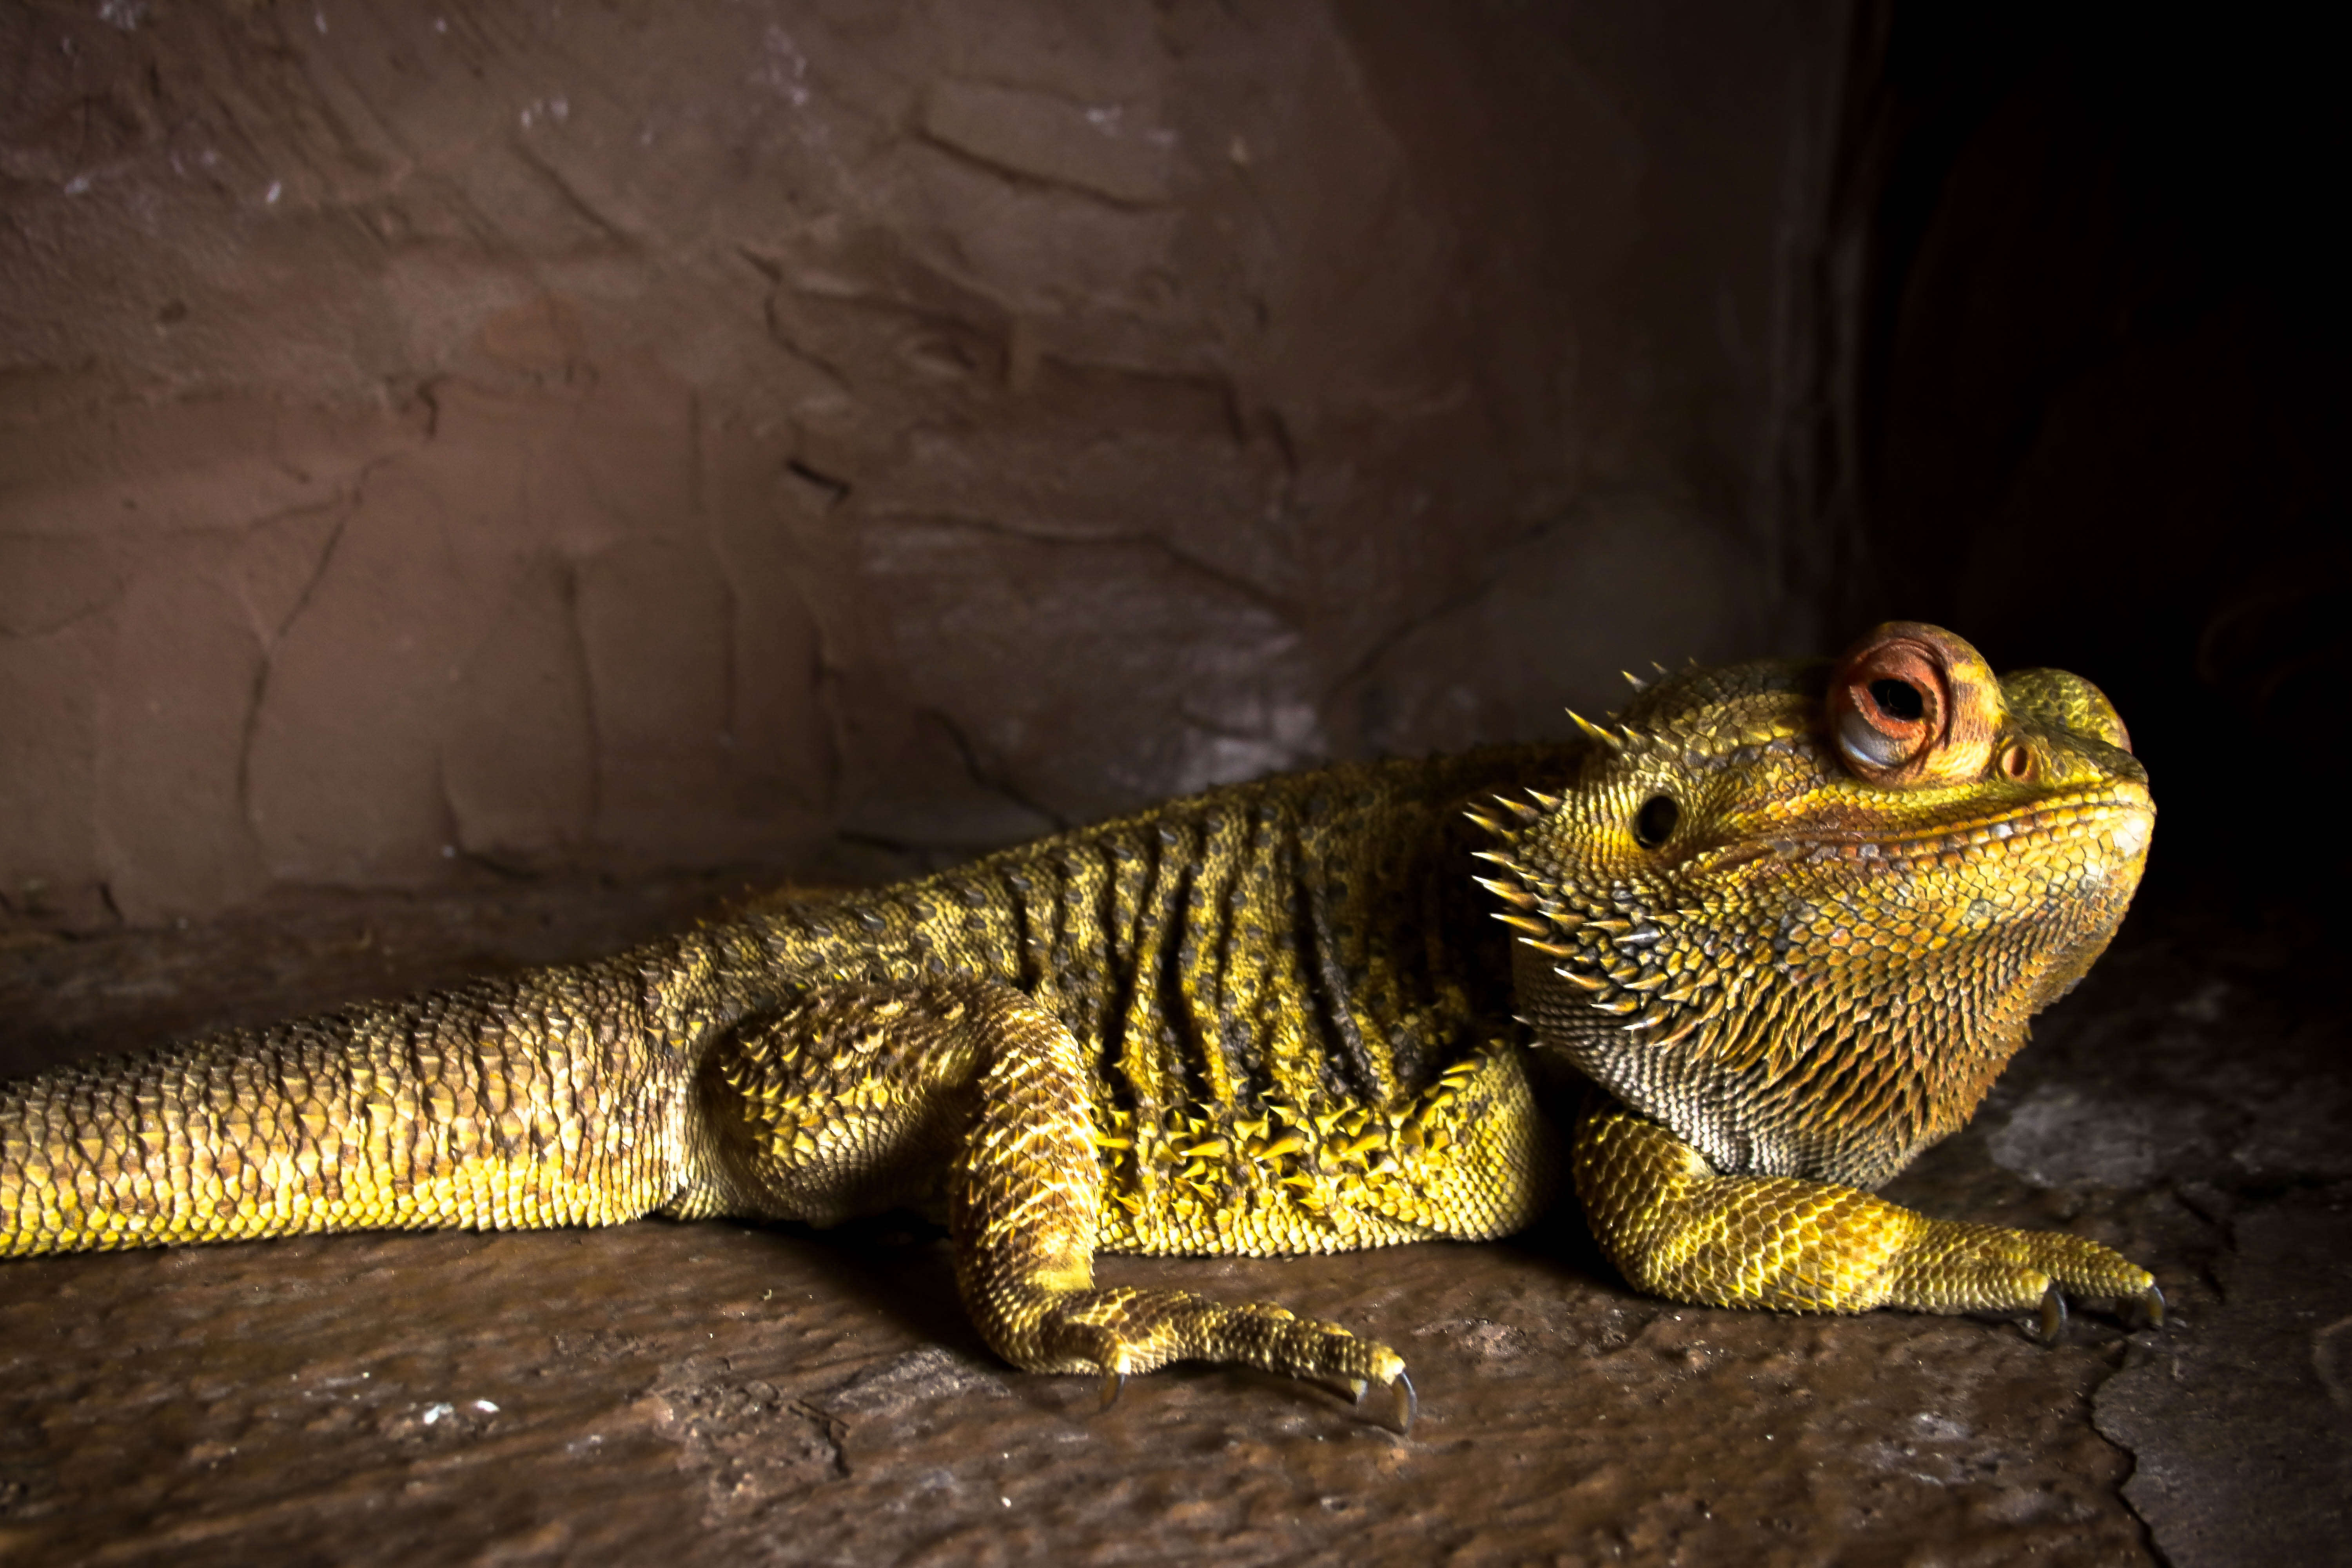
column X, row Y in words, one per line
column 1464, row 1159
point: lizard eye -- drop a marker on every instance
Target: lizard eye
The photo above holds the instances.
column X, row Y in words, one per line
column 1898, row 700
column 1889, row 707
column 1913, row 704
column 1654, row 823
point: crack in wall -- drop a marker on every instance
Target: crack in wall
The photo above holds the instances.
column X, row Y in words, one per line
column 1498, row 567
column 1232, row 581
column 568, row 581
column 250, row 729
column 568, row 194
column 952, row 121
column 34, row 633
column 985, row 776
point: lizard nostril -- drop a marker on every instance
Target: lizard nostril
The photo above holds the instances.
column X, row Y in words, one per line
column 1654, row 823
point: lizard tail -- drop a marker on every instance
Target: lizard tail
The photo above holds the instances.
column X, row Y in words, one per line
column 474, row 1108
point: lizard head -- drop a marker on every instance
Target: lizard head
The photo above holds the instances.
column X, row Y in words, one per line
column 1800, row 914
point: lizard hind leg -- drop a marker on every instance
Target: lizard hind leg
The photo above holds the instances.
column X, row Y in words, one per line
column 858, row 1097
column 1025, row 1211
column 850, row 1102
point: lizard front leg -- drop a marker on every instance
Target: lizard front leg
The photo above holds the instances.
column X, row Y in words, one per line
column 841, row 1104
column 1679, row 1229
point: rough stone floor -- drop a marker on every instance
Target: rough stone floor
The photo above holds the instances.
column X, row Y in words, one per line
column 708, row 1392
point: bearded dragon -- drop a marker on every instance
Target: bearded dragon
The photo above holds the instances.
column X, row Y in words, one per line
column 1789, row 918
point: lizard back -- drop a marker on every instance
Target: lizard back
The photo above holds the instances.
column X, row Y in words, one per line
column 1281, row 988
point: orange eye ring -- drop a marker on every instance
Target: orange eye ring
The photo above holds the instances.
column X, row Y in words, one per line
column 1888, row 707
column 1912, row 704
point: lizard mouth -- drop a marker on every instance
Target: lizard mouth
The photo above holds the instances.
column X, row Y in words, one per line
column 2124, row 822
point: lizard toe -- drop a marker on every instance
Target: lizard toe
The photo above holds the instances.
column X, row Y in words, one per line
column 1403, row 1404
column 2053, row 1314
column 1953, row 1267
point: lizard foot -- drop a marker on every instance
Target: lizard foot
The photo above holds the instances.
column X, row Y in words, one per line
column 1119, row 1333
column 1955, row 1267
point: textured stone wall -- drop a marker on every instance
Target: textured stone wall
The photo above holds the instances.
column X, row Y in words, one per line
column 446, row 439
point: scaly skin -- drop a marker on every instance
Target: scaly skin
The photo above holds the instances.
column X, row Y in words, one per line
column 1263, row 1020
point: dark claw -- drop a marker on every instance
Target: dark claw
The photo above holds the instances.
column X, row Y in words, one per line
column 1405, row 1403
column 1114, row 1383
column 2147, row 1308
column 2053, row 1313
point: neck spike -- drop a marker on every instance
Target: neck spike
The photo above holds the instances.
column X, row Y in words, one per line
column 1595, row 732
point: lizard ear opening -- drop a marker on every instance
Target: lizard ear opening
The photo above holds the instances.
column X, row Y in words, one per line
column 1654, row 823
column 1912, row 704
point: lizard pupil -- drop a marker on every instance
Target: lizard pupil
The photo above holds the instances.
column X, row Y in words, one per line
column 1655, row 821
column 1897, row 699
